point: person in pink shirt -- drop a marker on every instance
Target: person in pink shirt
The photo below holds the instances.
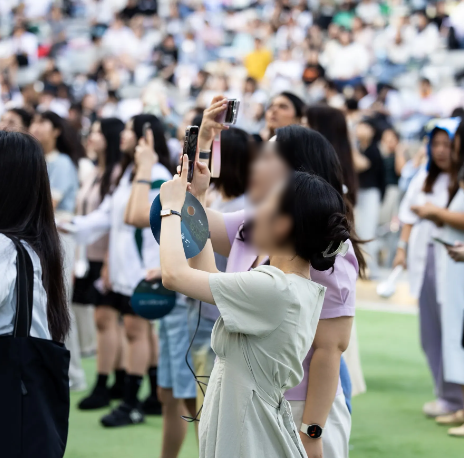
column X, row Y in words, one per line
column 319, row 398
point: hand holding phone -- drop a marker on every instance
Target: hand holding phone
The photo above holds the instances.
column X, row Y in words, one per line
column 190, row 149
column 443, row 242
column 145, row 155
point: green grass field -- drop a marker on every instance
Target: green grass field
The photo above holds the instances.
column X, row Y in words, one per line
column 387, row 420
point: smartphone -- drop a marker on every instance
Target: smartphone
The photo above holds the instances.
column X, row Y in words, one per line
column 190, row 149
column 229, row 116
column 146, row 126
column 439, row 240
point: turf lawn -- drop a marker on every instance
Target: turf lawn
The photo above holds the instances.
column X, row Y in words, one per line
column 387, row 422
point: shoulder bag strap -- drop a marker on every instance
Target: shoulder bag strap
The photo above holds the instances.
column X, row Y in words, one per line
column 24, row 290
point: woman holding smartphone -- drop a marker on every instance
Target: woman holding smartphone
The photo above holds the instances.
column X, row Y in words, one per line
column 433, row 185
column 132, row 252
column 268, row 315
column 450, row 291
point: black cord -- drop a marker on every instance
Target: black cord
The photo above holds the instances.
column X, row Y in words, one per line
column 198, row 382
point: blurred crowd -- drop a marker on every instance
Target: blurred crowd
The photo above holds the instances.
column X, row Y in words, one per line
column 372, row 77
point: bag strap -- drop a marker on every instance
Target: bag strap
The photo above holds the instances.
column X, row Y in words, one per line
column 24, row 290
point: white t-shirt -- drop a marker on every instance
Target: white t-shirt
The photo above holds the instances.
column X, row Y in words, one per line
column 39, row 326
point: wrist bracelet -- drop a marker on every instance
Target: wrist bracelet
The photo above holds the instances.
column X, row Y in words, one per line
column 144, row 182
column 402, row 245
column 205, row 154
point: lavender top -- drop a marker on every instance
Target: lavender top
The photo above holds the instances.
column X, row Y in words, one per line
column 339, row 298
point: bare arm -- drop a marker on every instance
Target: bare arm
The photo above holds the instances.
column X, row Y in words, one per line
column 331, row 340
column 400, row 257
column 453, row 219
column 138, row 208
column 400, row 159
column 176, row 273
column 201, row 180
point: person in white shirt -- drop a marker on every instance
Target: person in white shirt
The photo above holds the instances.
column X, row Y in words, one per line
column 26, row 212
column 427, row 39
column 20, row 50
column 431, row 185
column 348, row 63
column 132, row 252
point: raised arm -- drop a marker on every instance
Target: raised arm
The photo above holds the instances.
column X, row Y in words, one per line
column 138, row 208
column 176, row 273
column 201, row 179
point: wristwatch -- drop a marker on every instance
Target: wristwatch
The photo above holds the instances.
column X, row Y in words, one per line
column 169, row 212
column 313, row 431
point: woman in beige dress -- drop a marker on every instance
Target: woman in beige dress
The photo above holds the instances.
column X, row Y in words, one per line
column 268, row 317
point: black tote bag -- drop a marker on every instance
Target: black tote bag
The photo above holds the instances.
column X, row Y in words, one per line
column 34, row 383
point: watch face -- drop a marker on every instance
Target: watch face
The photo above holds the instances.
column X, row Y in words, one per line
column 314, row 431
column 165, row 212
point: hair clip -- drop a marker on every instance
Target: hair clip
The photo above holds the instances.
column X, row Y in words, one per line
column 341, row 250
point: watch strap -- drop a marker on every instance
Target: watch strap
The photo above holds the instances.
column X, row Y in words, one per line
column 169, row 212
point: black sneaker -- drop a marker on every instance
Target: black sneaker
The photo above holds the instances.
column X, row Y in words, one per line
column 116, row 391
column 151, row 406
column 98, row 398
column 123, row 415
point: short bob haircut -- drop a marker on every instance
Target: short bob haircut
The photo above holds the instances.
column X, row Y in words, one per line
column 237, row 150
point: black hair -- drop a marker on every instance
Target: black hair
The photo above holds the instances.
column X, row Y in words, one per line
column 26, row 117
column 68, row 142
column 161, row 147
column 458, row 167
column 320, row 224
column 307, row 150
column 331, row 123
column 297, row 103
column 26, row 212
column 458, row 113
column 434, row 171
column 351, row 104
column 111, row 129
column 236, row 154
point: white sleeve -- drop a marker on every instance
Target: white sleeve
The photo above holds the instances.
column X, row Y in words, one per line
column 7, row 268
column 91, row 227
column 405, row 214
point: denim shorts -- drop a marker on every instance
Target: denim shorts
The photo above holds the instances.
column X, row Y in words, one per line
column 174, row 341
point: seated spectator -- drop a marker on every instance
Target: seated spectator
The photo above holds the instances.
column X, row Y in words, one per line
column 348, row 63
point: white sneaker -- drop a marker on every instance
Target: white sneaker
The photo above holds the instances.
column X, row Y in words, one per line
column 435, row 409
column 78, row 386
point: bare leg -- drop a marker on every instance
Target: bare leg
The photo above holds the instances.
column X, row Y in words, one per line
column 174, row 428
column 139, row 344
column 108, row 339
column 154, row 348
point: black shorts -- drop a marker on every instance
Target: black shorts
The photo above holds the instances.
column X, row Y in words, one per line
column 85, row 292
column 120, row 303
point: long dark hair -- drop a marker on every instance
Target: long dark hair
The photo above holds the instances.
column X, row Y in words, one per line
column 68, row 142
column 307, row 150
column 26, row 212
column 331, row 123
column 456, row 176
column 111, row 129
column 236, row 154
column 321, row 221
column 434, row 171
column 161, row 146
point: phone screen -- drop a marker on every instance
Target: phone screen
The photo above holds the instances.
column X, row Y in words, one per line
column 146, row 126
column 190, row 149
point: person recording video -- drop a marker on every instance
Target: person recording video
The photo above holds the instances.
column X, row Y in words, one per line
column 268, row 315
column 320, row 394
